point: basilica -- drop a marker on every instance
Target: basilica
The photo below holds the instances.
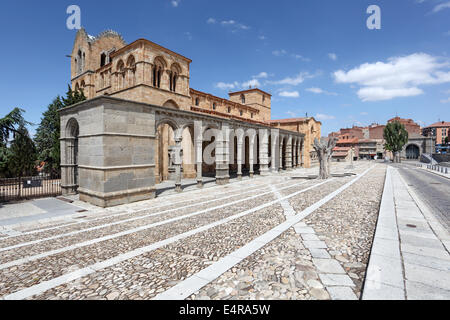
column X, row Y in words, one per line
column 143, row 124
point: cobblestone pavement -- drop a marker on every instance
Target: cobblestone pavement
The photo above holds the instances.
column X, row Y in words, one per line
column 143, row 250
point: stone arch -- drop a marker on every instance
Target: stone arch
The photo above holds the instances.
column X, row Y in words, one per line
column 412, row 151
column 174, row 73
column 159, row 65
column 131, row 71
column 120, row 69
column 70, row 172
column 166, row 131
column 171, row 104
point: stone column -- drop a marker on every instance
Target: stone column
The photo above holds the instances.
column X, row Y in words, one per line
column 264, row 152
column 302, row 152
column 289, row 153
column 281, row 152
column 178, row 160
column 275, row 154
column 198, row 145
column 240, row 143
column 222, row 155
column 251, row 154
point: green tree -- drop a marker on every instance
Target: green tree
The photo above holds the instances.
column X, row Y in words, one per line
column 9, row 123
column 22, row 158
column 73, row 97
column 47, row 137
column 396, row 137
column 48, row 132
column 4, row 161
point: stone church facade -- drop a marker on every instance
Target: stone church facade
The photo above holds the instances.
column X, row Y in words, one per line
column 143, row 124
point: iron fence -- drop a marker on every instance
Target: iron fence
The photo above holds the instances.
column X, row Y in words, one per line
column 15, row 189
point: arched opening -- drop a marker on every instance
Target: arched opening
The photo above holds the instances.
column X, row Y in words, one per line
column 283, row 153
column 242, row 99
column 171, row 104
column 120, row 75
column 71, row 155
column 102, row 59
column 246, row 158
column 159, row 66
column 412, row 152
column 187, row 145
column 175, row 71
column 131, row 71
column 164, row 167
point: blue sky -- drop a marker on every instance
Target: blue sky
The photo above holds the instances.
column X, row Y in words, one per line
column 316, row 57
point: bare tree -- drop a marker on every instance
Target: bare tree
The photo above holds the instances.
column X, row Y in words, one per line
column 324, row 151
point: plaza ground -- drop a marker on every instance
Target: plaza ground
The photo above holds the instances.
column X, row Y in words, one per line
column 273, row 237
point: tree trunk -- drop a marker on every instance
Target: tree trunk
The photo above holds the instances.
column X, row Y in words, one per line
column 324, row 151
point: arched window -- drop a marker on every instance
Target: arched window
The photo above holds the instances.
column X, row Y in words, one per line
column 102, row 59
column 214, row 106
column 229, row 110
column 197, row 101
column 131, row 71
column 120, row 75
column 251, row 115
column 242, row 98
column 241, row 113
column 79, row 60
column 175, row 71
column 159, row 66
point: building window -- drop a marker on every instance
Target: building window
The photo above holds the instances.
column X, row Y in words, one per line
column 242, row 98
column 214, row 106
column 197, row 101
column 251, row 115
column 102, row 59
column 241, row 113
column 264, row 98
column 229, row 110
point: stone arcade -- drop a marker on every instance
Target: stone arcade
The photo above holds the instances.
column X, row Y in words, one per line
column 142, row 124
column 108, row 148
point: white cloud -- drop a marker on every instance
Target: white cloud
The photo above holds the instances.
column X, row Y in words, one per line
column 445, row 100
column 293, row 81
column 211, row 21
column 262, row 37
column 226, row 86
column 188, row 35
column 300, row 57
column 289, row 94
column 232, row 24
column 364, row 113
column 251, row 83
column 279, row 53
column 332, row 56
column 441, row 6
column 261, row 75
column 320, row 91
column 398, row 77
column 291, row 114
column 175, row 3
column 321, row 116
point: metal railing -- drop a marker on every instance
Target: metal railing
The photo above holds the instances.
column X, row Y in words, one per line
column 15, row 189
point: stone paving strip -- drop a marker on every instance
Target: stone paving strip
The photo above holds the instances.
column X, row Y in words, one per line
column 76, row 228
column 409, row 259
column 347, row 226
column 210, row 245
column 108, row 212
column 120, row 228
column 126, row 247
column 193, row 284
column 204, row 248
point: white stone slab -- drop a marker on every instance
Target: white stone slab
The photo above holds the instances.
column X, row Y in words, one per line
column 420, row 291
column 336, row 280
column 320, row 253
column 341, row 293
column 385, row 270
column 374, row 290
column 315, row 244
column 328, row 266
column 310, row 237
column 432, row 277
